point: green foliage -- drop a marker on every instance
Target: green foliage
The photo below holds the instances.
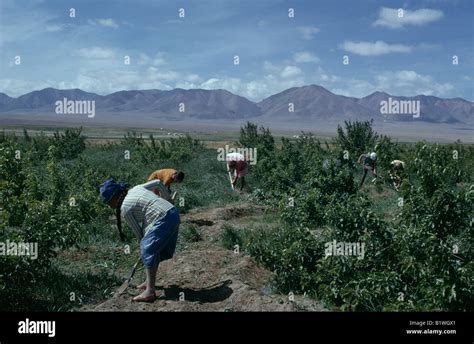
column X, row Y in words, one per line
column 309, row 199
column 191, row 234
column 12, row 183
column 69, row 144
column 434, row 166
column 29, row 216
column 435, row 239
column 418, row 257
column 357, row 138
column 387, row 151
column 50, row 199
column 291, row 253
column 289, row 164
column 231, row 237
column 420, row 261
column 261, row 139
column 174, row 149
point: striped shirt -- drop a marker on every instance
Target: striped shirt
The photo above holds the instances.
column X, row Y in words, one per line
column 141, row 207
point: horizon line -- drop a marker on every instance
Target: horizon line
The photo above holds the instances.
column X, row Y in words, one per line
column 222, row 89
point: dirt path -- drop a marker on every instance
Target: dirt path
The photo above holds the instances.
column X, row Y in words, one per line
column 204, row 276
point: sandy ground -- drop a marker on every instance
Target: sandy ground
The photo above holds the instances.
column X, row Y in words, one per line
column 403, row 131
column 204, row 276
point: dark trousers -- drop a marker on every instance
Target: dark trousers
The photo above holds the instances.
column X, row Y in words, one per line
column 363, row 177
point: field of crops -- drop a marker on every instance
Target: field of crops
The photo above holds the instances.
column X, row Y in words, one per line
column 418, row 241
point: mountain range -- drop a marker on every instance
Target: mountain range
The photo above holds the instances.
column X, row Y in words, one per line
column 309, row 104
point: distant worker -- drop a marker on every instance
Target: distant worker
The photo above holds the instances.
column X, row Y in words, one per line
column 396, row 170
column 237, row 166
column 167, row 176
column 369, row 162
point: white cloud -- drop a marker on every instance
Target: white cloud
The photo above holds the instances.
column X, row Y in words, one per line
column 234, row 85
column 162, row 75
column 103, row 77
column 270, row 67
column 55, row 28
column 108, row 22
column 393, row 19
column 254, row 90
column 305, row 57
column 290, row 72
column 95, row 53
column 193, row 78
column 408, row 82
column 397, row 83
column 157, row 60
column 104, row 81
column 322, row 75
column 308, row 32
column 18, row 87
column 105, row 22
column 349, row 87
column 375, row 48
column 275, row 78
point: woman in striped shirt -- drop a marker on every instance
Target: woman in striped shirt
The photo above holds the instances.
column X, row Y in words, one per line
column 154, row 220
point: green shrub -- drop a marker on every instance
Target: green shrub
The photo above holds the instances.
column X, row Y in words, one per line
column 174, row 149
column 261, row 139
column 191, row 234
column 34, row 213
column 289, row 165
column 231, row 237
column 421, row 261
column 356, row 137
column 69, row 144
column 290, row 252
column 434, row 166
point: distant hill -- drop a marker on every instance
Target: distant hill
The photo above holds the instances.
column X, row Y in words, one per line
column 310, row 104
column 4, row 100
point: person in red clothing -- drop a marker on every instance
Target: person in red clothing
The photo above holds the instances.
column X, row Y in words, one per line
column 237, row 165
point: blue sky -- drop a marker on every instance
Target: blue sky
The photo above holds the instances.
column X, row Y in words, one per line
column 402, row 56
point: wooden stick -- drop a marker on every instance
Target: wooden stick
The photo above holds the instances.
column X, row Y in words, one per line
column 125, row 284
column 230, row 178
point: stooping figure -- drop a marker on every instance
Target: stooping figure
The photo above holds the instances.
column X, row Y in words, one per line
column 167, row 176
column 154, row 220
column 238, row 167
column 369, row 162
column 396, row 170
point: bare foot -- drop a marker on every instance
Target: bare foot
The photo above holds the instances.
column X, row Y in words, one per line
column 142, row 286
column 145, row 297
